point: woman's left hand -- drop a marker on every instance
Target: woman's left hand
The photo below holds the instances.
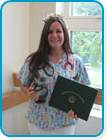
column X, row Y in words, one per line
column 72, row 114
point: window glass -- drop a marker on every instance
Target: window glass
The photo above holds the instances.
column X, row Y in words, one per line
column 88, row 46
column 85, row 9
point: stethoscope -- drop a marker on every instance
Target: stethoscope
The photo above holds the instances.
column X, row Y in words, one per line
column 68, row 62
column 76, row 77
column 49, row 71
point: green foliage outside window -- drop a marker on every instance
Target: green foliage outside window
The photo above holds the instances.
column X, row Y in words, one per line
column 88, row 46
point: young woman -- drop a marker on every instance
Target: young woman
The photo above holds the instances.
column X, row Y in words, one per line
column 39, row 73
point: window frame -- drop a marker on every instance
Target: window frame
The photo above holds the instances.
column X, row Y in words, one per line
column 83, row 24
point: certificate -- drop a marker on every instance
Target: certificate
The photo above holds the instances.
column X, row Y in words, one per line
column 71, row 95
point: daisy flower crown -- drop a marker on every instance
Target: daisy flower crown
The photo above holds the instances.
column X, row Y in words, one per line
column 53, row 16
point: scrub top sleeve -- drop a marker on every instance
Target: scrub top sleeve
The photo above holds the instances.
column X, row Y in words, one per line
column 81, row 71
column 84, row 78
column 23, row 74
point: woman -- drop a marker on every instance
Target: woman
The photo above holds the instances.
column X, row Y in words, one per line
column 39, row 73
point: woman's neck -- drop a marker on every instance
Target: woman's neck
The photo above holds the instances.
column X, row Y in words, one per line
column 56, row 55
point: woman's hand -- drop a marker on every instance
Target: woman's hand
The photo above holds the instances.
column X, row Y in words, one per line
column 72, row 114
column 31, row 93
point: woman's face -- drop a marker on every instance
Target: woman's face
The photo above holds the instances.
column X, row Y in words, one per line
column 56, row 35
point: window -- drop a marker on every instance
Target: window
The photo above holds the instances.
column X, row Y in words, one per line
column 85, row 28
column 88, row 46
column 85, row 9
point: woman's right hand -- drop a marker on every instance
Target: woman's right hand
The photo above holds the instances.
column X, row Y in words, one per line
column 31, row 93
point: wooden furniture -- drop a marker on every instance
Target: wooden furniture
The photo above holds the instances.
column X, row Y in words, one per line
column 13, row 98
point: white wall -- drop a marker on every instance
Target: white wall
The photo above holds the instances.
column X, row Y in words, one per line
column 15, row 38
column 13, row 120
column 38, row 11
column 91, row 127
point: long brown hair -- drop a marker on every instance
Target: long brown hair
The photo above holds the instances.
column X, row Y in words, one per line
column 40, row 57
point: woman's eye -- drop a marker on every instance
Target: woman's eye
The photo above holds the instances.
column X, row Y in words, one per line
column 50, row 32
column 58, row 31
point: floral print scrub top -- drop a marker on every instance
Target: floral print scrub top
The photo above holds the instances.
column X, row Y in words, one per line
column 42, row 115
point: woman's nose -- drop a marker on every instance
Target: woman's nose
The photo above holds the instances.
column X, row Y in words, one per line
column 54, row 34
